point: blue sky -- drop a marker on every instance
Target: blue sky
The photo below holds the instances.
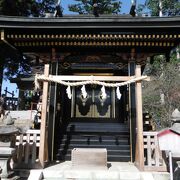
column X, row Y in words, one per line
column 126, row 4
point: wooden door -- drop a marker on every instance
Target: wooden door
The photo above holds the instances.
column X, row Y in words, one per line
column 93, row 106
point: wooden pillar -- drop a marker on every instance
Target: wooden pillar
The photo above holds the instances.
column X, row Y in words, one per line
column 43, row 149
column 132, row 110
column 139, row 159
column 52, row 105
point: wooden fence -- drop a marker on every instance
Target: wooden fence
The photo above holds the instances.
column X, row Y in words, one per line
column 27, row 150
column 153, row 156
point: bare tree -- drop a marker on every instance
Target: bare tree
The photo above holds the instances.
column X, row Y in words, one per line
column 162, row 94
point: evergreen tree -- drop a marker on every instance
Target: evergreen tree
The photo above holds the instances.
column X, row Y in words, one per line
column 19, row 7
column 12, row 63
column 46, row 6
column 169, row 7
column 26, row 7
column 103, row 6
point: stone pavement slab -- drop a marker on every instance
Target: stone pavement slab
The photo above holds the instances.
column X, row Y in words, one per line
column 116, row 171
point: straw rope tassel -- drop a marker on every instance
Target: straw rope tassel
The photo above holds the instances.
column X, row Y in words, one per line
column 84, row 93
column 68, row 91
column 36, row 82
column 118, row 93
column 104, row 95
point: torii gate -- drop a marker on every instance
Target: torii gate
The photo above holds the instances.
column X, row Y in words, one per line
column 139, row 157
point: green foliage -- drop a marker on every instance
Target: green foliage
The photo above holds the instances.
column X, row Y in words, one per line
column 26, row 7
column 104, row 6
column 18, row 7
column 169, row 7
column 11, row 61
column 16, row 67
column 14, row 63
column 165, row 82
column 46, row 6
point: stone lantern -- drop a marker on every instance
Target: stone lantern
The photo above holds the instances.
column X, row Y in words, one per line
column 7, row 148
column 169, row 141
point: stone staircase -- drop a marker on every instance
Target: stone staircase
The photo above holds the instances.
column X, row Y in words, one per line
column 116, row 171
column 112, row 136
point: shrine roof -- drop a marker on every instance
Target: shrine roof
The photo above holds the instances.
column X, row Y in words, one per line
column 129, row 36
column 89, row 21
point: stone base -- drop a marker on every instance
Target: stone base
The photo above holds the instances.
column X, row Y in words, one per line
column 89, row 158
column 5, row 156
column 117, row 171
column 5, row 169
column 8, row 175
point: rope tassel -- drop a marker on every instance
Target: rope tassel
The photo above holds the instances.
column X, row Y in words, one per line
column 118, row 93
column 84, row 93
column 103, row 95
column 68, row 91
column 36, row 82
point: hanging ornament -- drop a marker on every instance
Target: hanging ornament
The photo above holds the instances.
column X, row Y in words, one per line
column 103, row 95
column 68, row 91
column 83, row 91
column 118, row 93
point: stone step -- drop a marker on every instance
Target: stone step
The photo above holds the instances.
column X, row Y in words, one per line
column 97, row 124
column 95, row 141
column 108, row 147
column 116, row 171
column 98, row 130
column 109, row 152
column 123, row 158
column 23, row 173
column 97, row 127
column 97, row 136
column 95, row 175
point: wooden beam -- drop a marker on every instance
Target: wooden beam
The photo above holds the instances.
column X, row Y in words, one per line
column 139, row 159
column 97, row 78
column 2, row 38
column 43, row 136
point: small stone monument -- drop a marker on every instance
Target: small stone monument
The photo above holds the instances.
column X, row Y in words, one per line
column 7, row 144
column 169, row 141
column 176, row 128
column 89, row 158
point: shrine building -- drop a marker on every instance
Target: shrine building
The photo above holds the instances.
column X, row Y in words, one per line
column 92, row 94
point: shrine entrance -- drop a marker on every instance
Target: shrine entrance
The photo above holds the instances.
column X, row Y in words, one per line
column 94, row 121
column 95, row 107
